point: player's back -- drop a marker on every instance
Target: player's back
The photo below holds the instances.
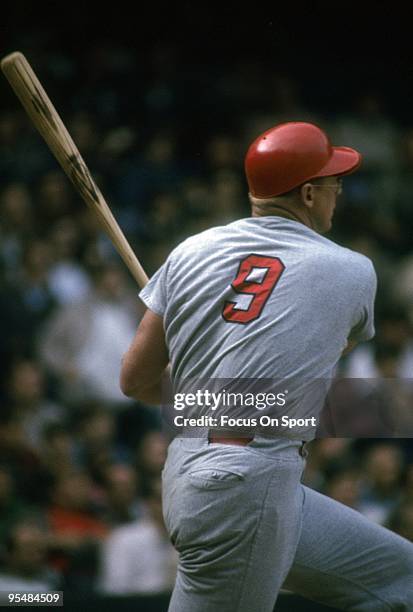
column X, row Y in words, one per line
column 263, row 297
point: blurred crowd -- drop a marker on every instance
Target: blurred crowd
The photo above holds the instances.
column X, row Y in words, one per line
column 80, row 464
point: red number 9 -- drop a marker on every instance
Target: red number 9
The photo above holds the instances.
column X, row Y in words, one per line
column 267, row 272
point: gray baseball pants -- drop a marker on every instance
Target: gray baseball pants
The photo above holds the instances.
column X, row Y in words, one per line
column 244, row 526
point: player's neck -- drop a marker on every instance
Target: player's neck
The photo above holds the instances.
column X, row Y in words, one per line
column 274, row 210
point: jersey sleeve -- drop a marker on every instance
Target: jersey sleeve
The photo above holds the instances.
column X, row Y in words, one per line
column 154, row 294
column 363, row 328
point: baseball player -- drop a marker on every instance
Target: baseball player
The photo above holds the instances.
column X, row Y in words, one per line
column 265, row 297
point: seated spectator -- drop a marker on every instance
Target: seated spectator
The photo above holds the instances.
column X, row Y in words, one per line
column 393, row 331
column 381, row 485
column 165, row 218
column 75, row 528
column 325, row 457
column 151, row 455
column 32, row 281
column 68, row 281
column 58, row 450
column 26, row 301
column 25, row 565
column 158, row 166
column 97, row 443
column 54, row 197
column 227, row 194
column 344, row 486
column 22, row 462
column 370, row 407
column 26, row 390
column 16, row 226
column 138, row 558
column 83, row 343
column 123, row 503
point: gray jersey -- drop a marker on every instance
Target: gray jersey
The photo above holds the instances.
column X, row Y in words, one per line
column 263, row 297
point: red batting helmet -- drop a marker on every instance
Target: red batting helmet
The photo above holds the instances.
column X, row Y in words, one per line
column 290, row 154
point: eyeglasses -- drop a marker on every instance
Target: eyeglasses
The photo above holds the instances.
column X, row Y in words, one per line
column 336, row 187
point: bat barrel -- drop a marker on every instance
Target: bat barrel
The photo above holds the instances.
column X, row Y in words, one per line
column 44, row 116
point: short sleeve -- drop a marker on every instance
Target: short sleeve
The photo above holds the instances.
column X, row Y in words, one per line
column 154, row 294
column 364, row 318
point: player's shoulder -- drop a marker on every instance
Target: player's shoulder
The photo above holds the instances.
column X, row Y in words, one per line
column 354, row 257
column 355, row 263
column 200, row 241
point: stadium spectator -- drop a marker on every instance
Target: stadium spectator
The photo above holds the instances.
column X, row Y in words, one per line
column 83, row 343
column 138, row 558
column 394, row 332
column 16, row 227
column 25, row 565
column 30, row 478
column 150, row 455
column 381, row 486
column 344, row 486
column 32, row 285
column 122, row 500
column 97, row 444
column 75, row 529
column 68, row 280
column 26, row 392
column 58, row 451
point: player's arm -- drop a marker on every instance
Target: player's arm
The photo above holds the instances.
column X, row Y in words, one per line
column 145, row 361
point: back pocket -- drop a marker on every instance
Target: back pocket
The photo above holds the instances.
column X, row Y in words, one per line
column 214, row 478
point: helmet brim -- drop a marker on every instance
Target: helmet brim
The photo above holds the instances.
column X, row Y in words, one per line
column 344, row 160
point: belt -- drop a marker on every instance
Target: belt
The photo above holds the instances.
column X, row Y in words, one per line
column 244, row 441
column 236, row 441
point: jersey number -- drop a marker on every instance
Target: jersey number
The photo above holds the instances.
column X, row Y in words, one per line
column 257, row 276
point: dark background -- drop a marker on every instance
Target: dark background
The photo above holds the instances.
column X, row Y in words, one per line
column 334, row 51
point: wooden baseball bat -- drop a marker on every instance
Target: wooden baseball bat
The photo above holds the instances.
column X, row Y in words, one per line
column 47, row 121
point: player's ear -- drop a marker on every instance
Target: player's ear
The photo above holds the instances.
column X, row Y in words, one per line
column 307, row 195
